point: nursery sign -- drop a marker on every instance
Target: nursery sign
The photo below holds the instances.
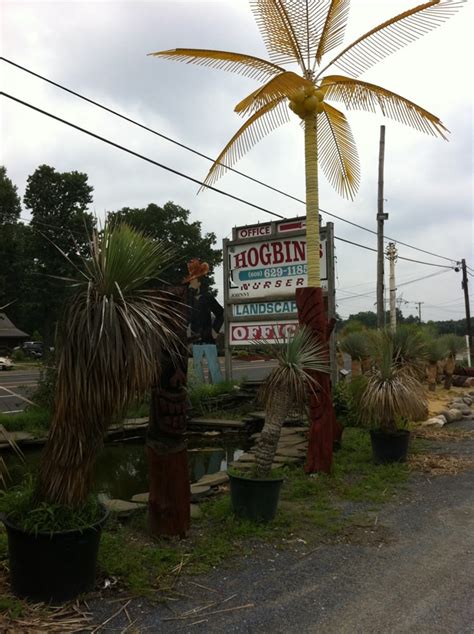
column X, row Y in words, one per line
column 264, row 265
column 275, row 266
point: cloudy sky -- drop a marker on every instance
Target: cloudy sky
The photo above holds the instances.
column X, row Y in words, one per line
column 99, row 49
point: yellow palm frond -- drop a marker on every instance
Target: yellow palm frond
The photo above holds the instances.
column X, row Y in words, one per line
column 360, row 95
column 277, row 31
column 392, row 35
column 265, row 120
column 285, row 84
column 334, row 27
column 247, row 65
column 337, row 152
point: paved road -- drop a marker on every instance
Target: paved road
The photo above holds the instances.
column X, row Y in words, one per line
column 411, row 573
column 18, row 385
column 15, row 388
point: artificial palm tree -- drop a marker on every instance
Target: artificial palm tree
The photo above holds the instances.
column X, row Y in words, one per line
column 286, row 389
column 108, row 344
column 303, row 32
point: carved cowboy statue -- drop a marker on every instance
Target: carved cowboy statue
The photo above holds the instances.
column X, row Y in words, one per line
column 169, row 498
column 205, row 318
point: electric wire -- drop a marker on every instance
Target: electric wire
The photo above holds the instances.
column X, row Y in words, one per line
column 190, row 178
column 200, row 154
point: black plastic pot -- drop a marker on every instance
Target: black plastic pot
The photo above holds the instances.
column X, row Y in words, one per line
column 53, row 567
column 389, row 447
column 253, row 499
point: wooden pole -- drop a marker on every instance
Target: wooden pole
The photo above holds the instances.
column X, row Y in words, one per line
column 381, row 216
column 466, row 303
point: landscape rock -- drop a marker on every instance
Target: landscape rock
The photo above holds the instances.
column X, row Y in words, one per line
column 467, row 400
column 199, row 491
column 246, row 457
column 291, row 452
column 121, row 508
column 214, row 479
column 452, row 415
column 436, row 421
column 141, row 498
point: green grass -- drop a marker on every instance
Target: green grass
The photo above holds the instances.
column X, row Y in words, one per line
column 34, row 420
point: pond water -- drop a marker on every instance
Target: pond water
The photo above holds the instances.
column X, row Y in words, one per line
column 121, row 469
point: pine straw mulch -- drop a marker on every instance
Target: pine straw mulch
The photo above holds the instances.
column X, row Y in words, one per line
column 439, row 464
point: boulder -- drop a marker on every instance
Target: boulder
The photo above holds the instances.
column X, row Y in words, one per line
column 436, row 421
column 199, row 491
column 453, row 415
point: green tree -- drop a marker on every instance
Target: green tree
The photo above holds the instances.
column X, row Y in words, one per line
column 58, row 203
column 171, row 224
column 12, row 239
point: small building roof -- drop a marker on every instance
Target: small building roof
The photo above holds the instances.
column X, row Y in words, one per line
column 9, row 330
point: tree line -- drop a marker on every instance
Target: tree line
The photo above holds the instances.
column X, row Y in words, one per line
column 368, row 319
column 32, row 255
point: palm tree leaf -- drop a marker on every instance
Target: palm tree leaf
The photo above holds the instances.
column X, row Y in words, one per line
column 337, row 151
column 359, row 95
column 275, row 24
column 334, row 27
column 392, row 35
column 265, row 120
column 246, row 65
column 285, row 84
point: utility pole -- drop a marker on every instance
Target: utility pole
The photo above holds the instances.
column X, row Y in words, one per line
column 391, row 253
column 419, row 310
column 381, row 216
column 466, row 302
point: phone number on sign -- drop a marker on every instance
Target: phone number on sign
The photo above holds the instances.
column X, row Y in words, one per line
column 277, row 271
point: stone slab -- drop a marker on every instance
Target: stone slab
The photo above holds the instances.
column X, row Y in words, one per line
column 214, row 479
column 121, row 508
column 141, row 498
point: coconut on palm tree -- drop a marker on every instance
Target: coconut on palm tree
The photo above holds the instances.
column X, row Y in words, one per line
column 304, row 33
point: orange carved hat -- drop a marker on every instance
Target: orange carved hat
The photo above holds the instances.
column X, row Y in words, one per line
column 196, row 268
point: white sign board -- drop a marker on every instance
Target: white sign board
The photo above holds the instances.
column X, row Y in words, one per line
column 244, row 334
column 275, row 308
column 270, row 267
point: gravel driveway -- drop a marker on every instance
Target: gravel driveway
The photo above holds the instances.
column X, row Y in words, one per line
column 410, row 568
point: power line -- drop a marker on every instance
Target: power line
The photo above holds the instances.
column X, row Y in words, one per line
column 186, row 176
column 140, row 156
column 200, row 154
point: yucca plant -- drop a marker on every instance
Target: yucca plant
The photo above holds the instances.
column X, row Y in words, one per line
column 304, row 32
column 409, row 349
column 108, row 346
column 356, row 345
column 392, row 391
column 435, row 351
column 298, row 359
column 454, row 344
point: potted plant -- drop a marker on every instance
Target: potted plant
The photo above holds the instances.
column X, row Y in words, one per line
column 108, row 346
column 255, row 497
column 393, row 393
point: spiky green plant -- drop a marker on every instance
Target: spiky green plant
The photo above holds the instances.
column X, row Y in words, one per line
column 298, row 358
column 357, row 345
column 392, row 390
column 409, row 348
column 453, row 345
column 108, row 344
